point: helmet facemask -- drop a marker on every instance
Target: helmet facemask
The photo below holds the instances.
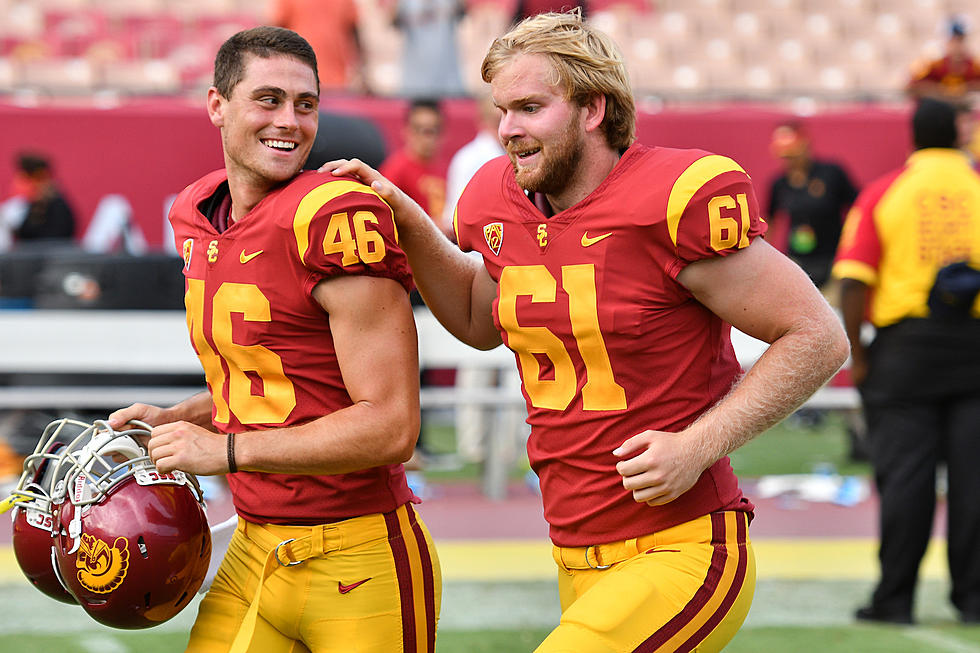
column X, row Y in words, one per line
column 129, row 544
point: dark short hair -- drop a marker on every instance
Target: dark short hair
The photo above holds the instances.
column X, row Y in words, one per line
column 265, row 42
column 31, row 163
column 430, row 104
column 957, row 28
column 934, row 124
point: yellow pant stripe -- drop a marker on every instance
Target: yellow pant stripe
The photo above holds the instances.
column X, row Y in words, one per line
column 415, row 576
column 722, row 584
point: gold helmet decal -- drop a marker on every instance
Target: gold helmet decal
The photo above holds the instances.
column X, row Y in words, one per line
column 102, row 568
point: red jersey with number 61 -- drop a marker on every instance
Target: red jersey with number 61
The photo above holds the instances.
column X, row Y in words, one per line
column 265, row 343
column 608, row 343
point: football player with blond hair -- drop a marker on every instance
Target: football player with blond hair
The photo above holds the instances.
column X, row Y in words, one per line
column 615, row 271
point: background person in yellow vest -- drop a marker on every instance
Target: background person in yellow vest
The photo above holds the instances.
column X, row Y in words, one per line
column 920, row 377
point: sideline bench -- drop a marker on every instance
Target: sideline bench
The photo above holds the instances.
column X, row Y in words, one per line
column 54, row 359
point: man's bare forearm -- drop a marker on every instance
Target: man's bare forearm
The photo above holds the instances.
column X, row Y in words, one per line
column 454, row 285
column 794, row 367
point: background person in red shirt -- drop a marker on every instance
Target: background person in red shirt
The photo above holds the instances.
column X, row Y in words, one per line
column 414, row 168
column 950, row 76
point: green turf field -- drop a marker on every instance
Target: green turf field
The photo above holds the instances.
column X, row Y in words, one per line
column 798, row 614
column 787, row 448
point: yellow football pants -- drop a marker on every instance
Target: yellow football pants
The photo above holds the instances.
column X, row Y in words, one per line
column 687, row 588
column 370, row 583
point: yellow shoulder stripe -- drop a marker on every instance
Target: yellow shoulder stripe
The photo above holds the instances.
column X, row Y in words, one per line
column 857, row 270
column 315, row 199
column 691, row 180
column 456, row 222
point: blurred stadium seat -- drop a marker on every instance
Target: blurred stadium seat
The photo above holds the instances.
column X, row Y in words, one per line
column 149, row 77
column 688, row 49
column 72, row 76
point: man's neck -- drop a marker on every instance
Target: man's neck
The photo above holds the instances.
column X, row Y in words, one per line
column 593, row 169
column 245, row 193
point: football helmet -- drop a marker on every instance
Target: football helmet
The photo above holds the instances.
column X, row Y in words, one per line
column 131, row 545
column 31, row 500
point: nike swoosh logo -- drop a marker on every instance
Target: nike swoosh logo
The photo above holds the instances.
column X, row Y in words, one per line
column 245, row 258
column 343, row 589
column 587, row 242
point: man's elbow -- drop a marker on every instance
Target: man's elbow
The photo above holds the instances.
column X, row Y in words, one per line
column 482, row 337
column 486, row 343
column 404, row 435
column 838, row 347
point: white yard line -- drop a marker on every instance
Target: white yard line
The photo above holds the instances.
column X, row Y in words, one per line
column 940, row 642
column 102, row 644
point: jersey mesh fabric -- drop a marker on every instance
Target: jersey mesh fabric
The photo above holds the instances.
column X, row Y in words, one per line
column 608, row 342
column 265, row 343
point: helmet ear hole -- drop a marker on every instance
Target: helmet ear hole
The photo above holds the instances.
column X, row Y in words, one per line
column 141, row 545
column 182, row 598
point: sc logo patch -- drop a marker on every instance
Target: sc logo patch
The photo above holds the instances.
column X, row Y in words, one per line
column 101, row 567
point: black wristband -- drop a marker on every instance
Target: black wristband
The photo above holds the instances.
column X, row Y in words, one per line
column 232, row 467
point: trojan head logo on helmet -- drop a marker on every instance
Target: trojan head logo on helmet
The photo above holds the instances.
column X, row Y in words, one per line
column 130, row 545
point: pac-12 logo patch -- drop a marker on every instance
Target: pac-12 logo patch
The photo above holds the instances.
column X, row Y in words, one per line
column 494, row 235
column 101, row 567
column 188, row 249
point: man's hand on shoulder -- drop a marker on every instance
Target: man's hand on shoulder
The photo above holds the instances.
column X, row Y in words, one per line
column 406, row 209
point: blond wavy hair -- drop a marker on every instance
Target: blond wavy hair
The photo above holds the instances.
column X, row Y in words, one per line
column 586, row 63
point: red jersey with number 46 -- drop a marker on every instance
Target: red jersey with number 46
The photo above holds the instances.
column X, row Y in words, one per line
column 265, row 343
column 608, row 343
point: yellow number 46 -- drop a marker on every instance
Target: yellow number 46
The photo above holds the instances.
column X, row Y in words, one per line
column 351, row 237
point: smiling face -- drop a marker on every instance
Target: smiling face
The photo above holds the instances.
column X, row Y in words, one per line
column 269, row 123
column 422, row 133
column 543, row 133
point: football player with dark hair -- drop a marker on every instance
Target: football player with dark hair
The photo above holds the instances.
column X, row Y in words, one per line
column 613, row 270
column 297, row 306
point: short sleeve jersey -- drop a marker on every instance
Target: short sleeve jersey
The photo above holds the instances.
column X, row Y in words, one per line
column 907, row 225
column 953, row 76
column 421, row 181
column 265, row 343
column 608, row 343
column 815, row 209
